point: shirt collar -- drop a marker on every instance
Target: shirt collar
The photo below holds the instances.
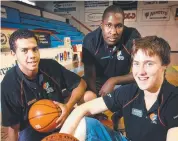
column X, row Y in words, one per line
column 31, row 83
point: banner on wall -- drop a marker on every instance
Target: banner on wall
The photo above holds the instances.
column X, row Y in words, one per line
column 5, row 34
column 44, row 39
column 162, row 14
column 91, row 5
column 154, row 2
column 93, row 17
column 130, row 15
column 64, row 7
column 3, row 12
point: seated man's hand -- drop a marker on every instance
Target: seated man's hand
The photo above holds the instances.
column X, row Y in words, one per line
column 64, row 115
column 107, row 87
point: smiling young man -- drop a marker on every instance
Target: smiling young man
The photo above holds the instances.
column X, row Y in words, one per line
column 31, row 80
column 149, row 106
column 106, row 53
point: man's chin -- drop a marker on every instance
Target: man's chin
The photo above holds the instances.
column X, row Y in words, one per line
column 111, row 43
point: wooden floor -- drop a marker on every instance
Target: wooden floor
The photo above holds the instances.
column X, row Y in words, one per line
column 171, row 76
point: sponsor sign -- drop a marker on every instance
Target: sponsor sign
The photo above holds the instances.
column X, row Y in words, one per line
column 154, row 2
column 64, row 7
column 5, row 34
column 91, row 5
column 130, row 16
column 162, row 14
column 44, row 39
column 3, row 13
column 93, row 17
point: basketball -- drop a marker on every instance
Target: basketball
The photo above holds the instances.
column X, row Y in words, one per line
column 43, row 114
column 60, row 137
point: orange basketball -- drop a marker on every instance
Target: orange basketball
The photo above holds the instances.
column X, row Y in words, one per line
column 43, row 115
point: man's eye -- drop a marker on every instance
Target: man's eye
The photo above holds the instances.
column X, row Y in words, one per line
column 24, row 50
column 149, row 64
column 135, row 64
column 120, row 25
column 35, row 49
column 108, row 25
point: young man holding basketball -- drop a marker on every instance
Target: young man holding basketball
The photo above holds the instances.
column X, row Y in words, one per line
column 31, row 80
column 149, row 106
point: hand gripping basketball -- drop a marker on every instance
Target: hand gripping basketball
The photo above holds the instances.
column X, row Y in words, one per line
column 43, row 115
column 60, row 137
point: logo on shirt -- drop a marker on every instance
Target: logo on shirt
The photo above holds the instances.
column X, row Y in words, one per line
column 175, row 117
column 154, row 118
column 120, row 56
column 109, row 95
column 47, row 87
column 137, row 112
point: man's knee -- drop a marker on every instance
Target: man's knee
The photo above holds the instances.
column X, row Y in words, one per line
column 89, row 95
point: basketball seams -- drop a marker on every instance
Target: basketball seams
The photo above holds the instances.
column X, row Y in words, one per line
column 42, row 115
column 46, row 105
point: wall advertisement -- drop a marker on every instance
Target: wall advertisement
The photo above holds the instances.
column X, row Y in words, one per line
column 130, row 15
column 64, row 7
column 91, row 5
column 162, row 14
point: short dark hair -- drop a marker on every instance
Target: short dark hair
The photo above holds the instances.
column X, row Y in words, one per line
column 153, row 45
column 20, row 34
column 112, row 9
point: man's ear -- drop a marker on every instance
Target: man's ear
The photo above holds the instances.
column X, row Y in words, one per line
column 12, row 53
column 101, row 25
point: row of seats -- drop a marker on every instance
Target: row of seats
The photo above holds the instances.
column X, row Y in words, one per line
column 17, row 19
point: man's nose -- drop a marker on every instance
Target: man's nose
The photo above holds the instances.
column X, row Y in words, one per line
column 142, row 70
column 113, row 30
column 31, row 53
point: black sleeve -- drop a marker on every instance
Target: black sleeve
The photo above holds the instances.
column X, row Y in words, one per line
column 11, row 111
column 69, row 79
column 131, row 35
column 88, row 51
column 171, row 114
column 120, row 96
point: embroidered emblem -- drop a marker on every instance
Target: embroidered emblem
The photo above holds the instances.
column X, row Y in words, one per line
column 47, row 87
column 109, row 95
column 154, row 118
column 137, row 112
column 175, row 117
column 120, row 56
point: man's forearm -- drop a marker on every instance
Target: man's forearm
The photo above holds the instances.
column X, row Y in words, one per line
column 124, row 79
column 90, row 76
column 12, row 134
column 77, row 94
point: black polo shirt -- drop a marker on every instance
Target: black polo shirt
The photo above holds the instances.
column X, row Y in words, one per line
column 18, row 93
column 140, row 124
column 109, row 62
